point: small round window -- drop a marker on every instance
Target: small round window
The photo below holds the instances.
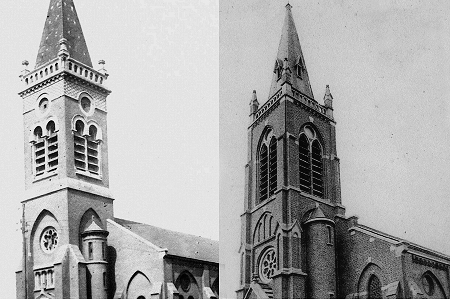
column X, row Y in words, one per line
column 267, row 266
column 43, row 106
column 49, row 239
column 428, row 284
column 86, row 105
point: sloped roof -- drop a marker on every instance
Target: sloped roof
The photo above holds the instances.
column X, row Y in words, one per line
column 62, row 22
column 290, row 49
column 177, row 244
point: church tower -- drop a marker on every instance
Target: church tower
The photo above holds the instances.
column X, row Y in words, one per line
column 292, row 195
column 66, row 165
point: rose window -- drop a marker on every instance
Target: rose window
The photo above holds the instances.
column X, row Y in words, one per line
column 49, row 239
column 267, row 266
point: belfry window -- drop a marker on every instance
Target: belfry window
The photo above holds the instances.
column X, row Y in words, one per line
column 45, row 147
column 310, row 162
column 86, row 148
column 267, row 167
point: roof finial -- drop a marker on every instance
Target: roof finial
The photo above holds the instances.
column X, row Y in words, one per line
column 25, row 70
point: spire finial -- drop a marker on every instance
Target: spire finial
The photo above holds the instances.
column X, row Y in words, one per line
column 102, row 69
column 25, row 70
column 254, row 105
column 328, row 101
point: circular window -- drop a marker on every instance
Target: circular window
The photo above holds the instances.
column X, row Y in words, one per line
column 267, row 266
column 43, row 106
column 86, row 105
column 185, row 282
column 49, row 239
column 428, row 284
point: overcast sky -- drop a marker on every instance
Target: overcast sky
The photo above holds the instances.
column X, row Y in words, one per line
column 162, row 57
column 387, row 64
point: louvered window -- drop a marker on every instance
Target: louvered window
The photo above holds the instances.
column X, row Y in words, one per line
column 45, row 149
column 39, row 152
column 263, row 174
column 79, row 146
column 304, row 164
column 267, row 168
column 52, row 147
column 272, row 166
column 317, row 169
column 86, row 149
column 310, row 163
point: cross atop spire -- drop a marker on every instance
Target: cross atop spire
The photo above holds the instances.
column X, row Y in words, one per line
column 62, row 23
column 290, row 64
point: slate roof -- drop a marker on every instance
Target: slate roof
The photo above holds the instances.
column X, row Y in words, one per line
column 177, row 244
column 62, row 22
column 290, row 48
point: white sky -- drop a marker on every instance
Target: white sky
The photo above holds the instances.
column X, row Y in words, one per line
column 162, row 57
column 387, row 63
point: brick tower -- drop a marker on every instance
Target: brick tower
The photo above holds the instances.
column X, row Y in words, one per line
column 292, row 191
column 66, row 165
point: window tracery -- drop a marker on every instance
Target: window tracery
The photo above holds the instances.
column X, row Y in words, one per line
column 267, row 166
column 49, row 239
column 310, row 162
column 267, row 265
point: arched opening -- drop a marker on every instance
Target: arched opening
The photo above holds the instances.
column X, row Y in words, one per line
column 374, row 288
column 139, row 286
column 311, row 162
column 267, row 169
column 187, row 286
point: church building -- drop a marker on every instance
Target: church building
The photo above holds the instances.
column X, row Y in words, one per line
column 73, row 246
column 296, row 241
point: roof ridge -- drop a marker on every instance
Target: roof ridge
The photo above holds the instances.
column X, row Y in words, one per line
column 166, row 229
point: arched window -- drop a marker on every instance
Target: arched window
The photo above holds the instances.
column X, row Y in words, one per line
column 52, row 146
column 374, row 288
column 267, row 167
column 310, row 162
column 299, row 68
column 45, row 146
column 86, row 148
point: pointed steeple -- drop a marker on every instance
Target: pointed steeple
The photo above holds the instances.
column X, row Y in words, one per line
column 62, row 25
column 290, row 64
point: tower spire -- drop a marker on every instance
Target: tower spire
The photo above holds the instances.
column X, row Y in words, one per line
column 62, row 24
column 290, row 58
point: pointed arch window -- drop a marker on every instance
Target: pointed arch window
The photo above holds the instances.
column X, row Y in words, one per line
column 45, row 148
column 299, row 67
column 310, row 162
column 86, row 148
column 267, row 167
column 374, row 288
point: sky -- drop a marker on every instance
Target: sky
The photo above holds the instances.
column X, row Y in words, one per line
column 387, row 64
column 163, row 126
